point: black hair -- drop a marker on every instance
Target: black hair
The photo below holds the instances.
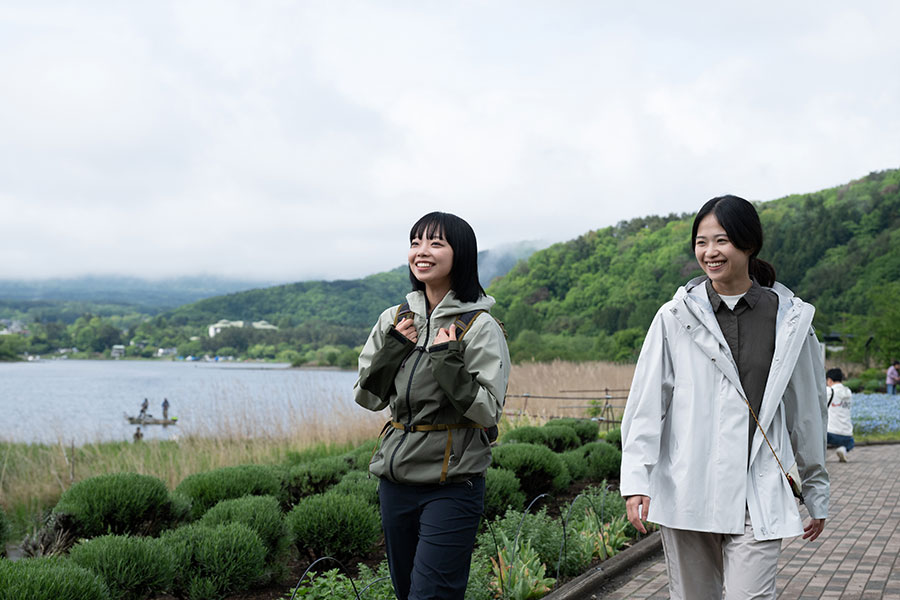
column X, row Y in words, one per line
column 461, row 237
column 741, row 222
column 834, row 374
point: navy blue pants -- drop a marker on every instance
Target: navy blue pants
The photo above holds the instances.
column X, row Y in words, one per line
column 430, row 531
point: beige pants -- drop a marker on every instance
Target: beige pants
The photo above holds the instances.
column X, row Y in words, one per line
column 701, row 564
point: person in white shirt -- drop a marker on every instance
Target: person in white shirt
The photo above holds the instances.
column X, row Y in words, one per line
column 840, row 427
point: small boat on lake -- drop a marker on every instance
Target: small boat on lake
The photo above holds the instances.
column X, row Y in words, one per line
column 150, row 420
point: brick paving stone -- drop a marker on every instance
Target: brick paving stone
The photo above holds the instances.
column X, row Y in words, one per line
column 858, row 555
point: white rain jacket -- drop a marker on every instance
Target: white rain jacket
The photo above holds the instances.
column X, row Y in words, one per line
column 684, row 431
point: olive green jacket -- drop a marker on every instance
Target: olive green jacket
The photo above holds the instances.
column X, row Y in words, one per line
column 457, row 382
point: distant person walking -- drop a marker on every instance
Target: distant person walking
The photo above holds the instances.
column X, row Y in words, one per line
column 165, row 408
column 893, row 377
column 145, row 405
column 727, row 396
column 840, row 427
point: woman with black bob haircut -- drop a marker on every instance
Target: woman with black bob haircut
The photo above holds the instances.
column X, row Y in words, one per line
column 459, row 234
column 440, row 362
column 728, row 400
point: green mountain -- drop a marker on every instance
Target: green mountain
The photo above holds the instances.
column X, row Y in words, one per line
column 594, row 297
column 354, row 303
column 589, row 298
column 67, row 299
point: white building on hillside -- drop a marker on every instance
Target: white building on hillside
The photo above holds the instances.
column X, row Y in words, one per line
column 217, row 328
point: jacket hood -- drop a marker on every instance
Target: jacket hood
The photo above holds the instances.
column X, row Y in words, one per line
column 693, row 294
column 784, row 294
column 450, row 305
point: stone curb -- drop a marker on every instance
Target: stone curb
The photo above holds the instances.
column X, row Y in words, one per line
column 591, row 582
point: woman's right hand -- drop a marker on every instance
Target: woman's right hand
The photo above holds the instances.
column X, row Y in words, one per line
column 407, row 328
column 637, row 508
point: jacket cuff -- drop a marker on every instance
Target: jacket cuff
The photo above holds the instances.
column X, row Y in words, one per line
column 378, row 378
column 449, row 369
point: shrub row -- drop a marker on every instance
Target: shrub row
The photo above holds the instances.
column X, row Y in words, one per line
column 559, row 435
column 212, row 562
column 120, row 503
column 49, row 579
column 335, row 524
column 132, row 567
column 263, row 515
column 207, row 489
column 197, row 561
column 538, row 469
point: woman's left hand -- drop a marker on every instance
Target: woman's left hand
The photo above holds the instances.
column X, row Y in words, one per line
column 445, row 335
column 813, row 529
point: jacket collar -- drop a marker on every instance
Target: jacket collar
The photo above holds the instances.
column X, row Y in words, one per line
column 751, row 296
column 449, row 306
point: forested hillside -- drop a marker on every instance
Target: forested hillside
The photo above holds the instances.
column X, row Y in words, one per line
column 589, row 298
column 593, row 297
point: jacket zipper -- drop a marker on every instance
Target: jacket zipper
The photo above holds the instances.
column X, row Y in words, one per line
column 412, row 372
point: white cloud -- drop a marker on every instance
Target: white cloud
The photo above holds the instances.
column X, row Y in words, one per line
column 289, row 141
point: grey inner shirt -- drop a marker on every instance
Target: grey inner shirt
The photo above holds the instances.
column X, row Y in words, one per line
column 749, row 330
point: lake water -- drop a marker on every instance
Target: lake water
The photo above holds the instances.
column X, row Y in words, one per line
column 79, row 401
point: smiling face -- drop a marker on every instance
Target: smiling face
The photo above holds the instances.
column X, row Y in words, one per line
column 431, row 261
column 725, row 264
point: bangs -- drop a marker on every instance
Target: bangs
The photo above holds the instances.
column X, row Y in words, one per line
column 431, row 226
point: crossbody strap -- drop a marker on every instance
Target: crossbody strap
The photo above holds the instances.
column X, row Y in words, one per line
column 795, row 487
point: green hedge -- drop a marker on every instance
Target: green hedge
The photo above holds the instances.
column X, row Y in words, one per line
column 359, row 484
column 537, row 468
column 360, row 458
column 207, row 489
column 527, row 434
column 213, row 562
column 335, row 525
column 262, row 514
column 501, row 492
column 119, row 503
column 561, row 438
column 133, row 568
column 556, row 437
column 604, row 460
column 613, row 436
column 575, row 463
column 315, row 477
column 49, row 579
column 586, row 429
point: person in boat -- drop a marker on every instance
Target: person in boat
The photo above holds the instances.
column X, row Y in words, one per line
column 165, row 408
column 144, row 406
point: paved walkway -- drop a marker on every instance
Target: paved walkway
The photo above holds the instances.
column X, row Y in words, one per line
column 856, row 557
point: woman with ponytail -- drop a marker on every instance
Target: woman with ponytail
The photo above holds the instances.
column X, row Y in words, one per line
column 728, row 400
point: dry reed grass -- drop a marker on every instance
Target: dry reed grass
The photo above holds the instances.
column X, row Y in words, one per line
column 571, row 388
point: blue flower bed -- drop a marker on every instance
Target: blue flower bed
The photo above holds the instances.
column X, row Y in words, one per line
column 875, row 413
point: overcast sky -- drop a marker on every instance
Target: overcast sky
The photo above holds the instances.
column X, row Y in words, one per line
column 298, row 140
